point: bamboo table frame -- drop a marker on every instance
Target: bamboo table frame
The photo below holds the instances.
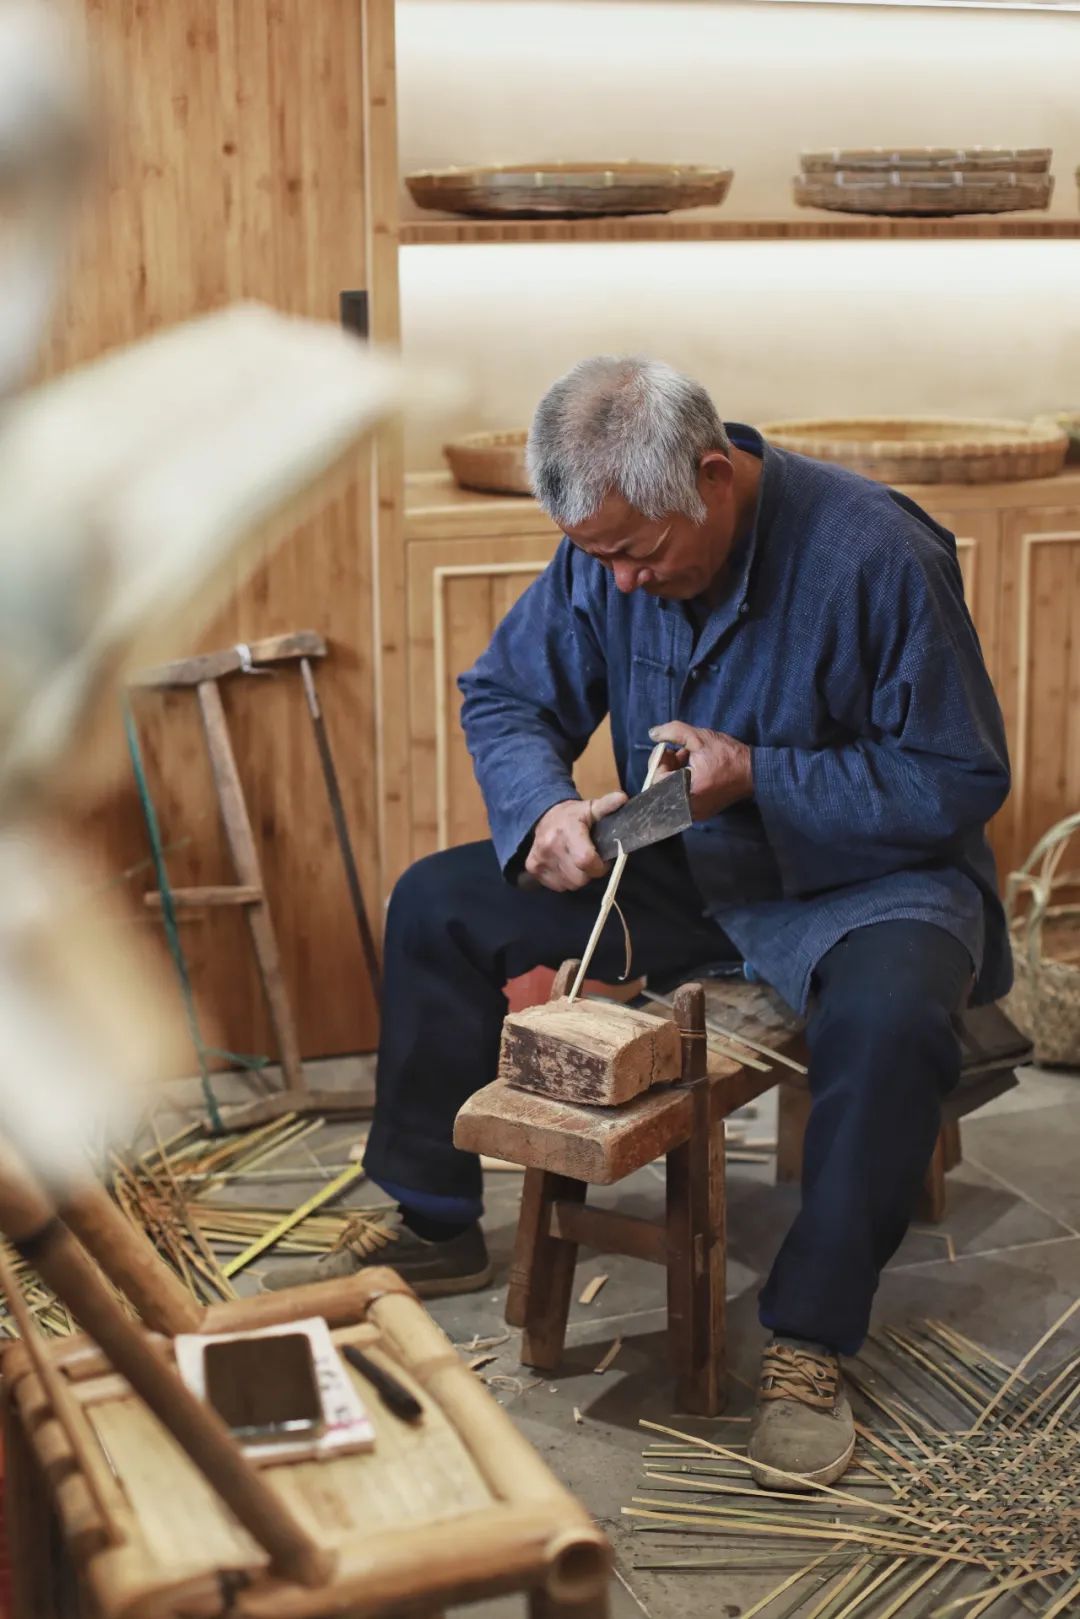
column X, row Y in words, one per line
column 123, row 1483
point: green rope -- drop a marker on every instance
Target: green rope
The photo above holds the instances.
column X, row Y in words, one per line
column 172, row 933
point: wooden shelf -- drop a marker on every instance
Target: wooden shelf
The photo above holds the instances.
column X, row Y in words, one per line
column 687, row 228
column 438, row 508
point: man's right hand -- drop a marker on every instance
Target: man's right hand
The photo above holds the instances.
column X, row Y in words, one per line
column 563, row 855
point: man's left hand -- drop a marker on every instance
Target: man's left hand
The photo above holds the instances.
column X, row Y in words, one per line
column 720, row 768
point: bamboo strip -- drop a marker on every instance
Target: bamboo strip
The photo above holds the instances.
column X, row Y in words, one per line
column 802, row 1532
column 1015, row 1375
column 608, row 901
column 785, row 1585
column 323, row 1195
column 823, row 1489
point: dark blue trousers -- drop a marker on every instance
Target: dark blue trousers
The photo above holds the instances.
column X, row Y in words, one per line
column 883, row 1053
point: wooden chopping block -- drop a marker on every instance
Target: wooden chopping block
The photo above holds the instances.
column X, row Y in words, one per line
column 597, row 1052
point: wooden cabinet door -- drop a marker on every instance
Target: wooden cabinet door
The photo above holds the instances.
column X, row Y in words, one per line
column 458, row 590
column 978, row 547
column 1040, row 657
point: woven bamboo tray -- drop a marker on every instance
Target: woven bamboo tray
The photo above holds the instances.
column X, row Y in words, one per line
column 967, row 159
column 1069, row 422
column 569, row 190
column 493, row 463
column 927, row 449
column 1045, row 998
column 915, row 193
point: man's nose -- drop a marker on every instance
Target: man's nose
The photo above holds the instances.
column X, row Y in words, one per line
column 627, row 576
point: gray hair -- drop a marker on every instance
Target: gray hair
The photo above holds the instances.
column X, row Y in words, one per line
column 624, row 425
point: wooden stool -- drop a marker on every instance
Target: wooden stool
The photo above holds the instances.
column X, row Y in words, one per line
column 567, row 1148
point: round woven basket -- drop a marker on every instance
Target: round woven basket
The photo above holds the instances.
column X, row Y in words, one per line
column 1045, row 999
column 967, row 159
column 569, row 190
column 1069, row 422
column 923, row 193
column 493, row 463
column 927, row 449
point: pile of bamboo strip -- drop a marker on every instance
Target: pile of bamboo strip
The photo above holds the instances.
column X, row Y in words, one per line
column 964, row 1491
column 175, row 1190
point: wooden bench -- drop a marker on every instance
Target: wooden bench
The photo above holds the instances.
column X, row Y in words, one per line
column 567, row 1147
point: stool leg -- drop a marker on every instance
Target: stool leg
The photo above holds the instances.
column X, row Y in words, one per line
column 792, row 1112
column 931, row 1204
column 696, row 1209
column 950, row 1140
column 542, row 1273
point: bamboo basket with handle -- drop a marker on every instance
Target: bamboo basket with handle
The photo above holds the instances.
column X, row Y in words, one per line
column 1045, row 998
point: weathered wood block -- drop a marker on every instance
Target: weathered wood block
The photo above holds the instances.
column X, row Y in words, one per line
column 597, row 1052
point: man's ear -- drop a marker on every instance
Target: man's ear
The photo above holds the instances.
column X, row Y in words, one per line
column 715, row 471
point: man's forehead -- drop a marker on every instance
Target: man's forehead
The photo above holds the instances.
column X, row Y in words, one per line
column 611, row 523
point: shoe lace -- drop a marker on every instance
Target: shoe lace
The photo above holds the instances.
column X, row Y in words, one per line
column 798, row 1374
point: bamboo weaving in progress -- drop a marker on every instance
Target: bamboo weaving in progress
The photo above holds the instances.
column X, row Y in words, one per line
column 964, row 1492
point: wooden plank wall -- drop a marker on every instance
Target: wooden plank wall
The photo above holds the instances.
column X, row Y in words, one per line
column 234, row 168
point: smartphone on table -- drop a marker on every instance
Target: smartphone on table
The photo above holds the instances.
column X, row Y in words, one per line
column 265, row 1388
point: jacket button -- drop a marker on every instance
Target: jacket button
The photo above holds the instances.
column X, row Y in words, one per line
column 744, row 608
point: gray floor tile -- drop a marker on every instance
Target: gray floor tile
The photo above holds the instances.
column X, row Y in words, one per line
column 1035, row 1153
column 1038, row 1087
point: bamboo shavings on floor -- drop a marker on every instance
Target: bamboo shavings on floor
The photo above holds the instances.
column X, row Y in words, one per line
column 591, row 1289
column 965, row 1489
column 176, row 1191
column 608, row 1360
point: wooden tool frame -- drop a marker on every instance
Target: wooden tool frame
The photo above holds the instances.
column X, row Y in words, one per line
column 202, row 675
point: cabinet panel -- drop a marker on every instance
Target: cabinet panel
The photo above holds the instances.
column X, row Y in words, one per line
column 458, row 592
column 978, row 547
column 1040, row 629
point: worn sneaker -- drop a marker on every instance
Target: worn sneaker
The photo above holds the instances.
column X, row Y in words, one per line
column 803, row 1432
column 432, row 1269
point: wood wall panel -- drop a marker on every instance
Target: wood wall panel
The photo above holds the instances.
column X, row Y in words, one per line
column 234, row 168
column 458, row 592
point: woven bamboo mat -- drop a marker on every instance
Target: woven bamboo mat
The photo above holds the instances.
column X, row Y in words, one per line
column 964, row 1491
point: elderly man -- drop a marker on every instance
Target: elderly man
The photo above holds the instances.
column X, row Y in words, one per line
column 799, row 635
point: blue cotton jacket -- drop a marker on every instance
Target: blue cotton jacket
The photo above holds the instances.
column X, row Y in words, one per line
column 842, row 652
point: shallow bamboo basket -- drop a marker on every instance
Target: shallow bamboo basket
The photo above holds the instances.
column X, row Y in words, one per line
column 927, row 449
column 580, row 190
column 967, row 159
column 454, row 1508
column 924, row 192
column 1044, row 923
column 491, row 462
column 1069, row 422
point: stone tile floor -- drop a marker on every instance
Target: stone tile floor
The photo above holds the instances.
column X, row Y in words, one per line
column 1014, row 1225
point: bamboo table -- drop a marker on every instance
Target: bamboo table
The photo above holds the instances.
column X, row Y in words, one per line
column 452, row 1509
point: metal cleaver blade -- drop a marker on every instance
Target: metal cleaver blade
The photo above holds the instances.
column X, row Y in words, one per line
column 659, row 812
